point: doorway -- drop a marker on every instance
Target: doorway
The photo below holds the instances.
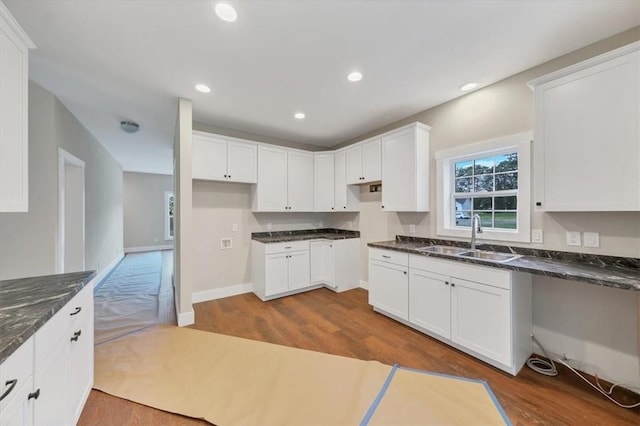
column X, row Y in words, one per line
column 71, row 213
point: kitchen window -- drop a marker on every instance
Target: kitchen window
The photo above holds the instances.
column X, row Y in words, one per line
column 490, row 179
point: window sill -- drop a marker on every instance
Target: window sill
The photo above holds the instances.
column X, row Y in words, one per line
column 487, row 235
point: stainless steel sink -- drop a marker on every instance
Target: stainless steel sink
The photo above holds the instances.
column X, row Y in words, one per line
column 448, row 250
column 491, row 256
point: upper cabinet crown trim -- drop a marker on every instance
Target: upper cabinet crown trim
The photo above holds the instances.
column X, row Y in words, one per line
column 596, row 60
column 15, row 26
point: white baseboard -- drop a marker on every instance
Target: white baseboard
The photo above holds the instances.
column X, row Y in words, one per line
column 101, row 275
column 364, row 284
column 148, row 248
column 184, row 318
column 219, row 293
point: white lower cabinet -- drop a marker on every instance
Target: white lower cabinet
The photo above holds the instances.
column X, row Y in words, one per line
column 282, row 269
column 53, row 370
column 481, row 310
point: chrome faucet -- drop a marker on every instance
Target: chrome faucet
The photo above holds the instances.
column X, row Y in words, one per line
column 476, row 225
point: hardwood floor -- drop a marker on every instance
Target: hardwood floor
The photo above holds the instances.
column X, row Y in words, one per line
column 344, row 324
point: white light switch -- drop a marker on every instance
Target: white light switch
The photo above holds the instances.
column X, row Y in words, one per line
column 234, row 227
column 412, row 229
column 574, row 239
column 269, row 226
column 591, row 239
column 537, row 236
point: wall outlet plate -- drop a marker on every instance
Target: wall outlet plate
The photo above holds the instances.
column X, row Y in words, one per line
column 537, row 236
column 574, row 238
column 269, row 226
column 591, row 239
column 412, row 229
column 234, row 227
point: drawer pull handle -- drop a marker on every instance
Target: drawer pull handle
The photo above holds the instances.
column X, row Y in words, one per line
column 404, row 272
column 453, row 285
column 77, row 311
column 12, row 384
column 76, row 335
column 446, row 282
column 34, row 395
column 386, row 257
column 288, row 247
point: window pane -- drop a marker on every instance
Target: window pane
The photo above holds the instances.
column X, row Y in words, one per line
column 507, row 220
column 464, row 185
column 464, row 168
column 463, row 204
column 483, row 166
column 482, row 203
column 506, row 162
column 463, row 219
column 486, row 219
column 506, row 203
column 484, row 183
column 506, row 181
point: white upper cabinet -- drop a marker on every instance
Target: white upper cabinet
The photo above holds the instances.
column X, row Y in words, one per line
column 587, row 135
column 363, row 162
column 405, row 169
column 14, row 141
column 347, row 197
column 285, row 180
column 219, row 158
column 323, row 182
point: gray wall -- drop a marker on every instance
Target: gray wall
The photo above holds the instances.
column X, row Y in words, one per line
column 144, row 218
column 28, row 240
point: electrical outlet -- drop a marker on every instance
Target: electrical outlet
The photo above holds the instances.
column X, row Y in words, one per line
column 320, row 224
column 574, row 238
column 591, row 239
column 412, row 229
column 269, row 226
column 349, row 224
column 225, row 243
column 234, row 227
column 537, row 236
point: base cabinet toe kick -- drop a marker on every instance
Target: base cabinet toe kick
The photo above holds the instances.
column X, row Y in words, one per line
column 483, row 311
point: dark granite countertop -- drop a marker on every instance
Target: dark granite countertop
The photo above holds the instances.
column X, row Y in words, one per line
column 26, row 304
column 304, row 234
column 608, row 271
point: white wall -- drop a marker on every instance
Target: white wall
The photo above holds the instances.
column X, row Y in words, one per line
column 28, row 240
column 144, row 209
column 507, row 108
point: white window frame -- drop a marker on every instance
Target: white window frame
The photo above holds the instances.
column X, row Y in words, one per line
column 445, row 163
column 167, row 195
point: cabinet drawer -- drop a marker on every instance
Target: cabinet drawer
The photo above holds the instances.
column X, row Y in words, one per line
column 18, row 367
column 286, row 246
column 391, row 256
column 80, row 305
column 453, row 268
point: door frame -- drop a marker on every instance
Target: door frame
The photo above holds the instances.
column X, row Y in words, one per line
column 66, row 159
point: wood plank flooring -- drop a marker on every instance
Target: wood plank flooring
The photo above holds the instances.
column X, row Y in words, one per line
column 344, row 324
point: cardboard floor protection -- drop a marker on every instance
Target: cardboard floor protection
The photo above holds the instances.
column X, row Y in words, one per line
column 233, row 381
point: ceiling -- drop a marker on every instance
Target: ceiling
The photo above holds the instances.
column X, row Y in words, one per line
column 114, row 60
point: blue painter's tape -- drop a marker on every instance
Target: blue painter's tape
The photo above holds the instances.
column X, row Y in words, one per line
column 376, row 401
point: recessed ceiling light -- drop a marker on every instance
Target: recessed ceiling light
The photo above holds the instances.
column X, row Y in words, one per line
column 202, row 88
column 299, row 115
column 468, row 86
column 355, row 76
column 226, row 12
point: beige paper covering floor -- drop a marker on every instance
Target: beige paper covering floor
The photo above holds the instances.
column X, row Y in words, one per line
column 233, row 381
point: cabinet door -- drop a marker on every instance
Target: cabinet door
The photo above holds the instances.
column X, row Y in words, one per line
column 354, row 165
column 276, row 279
column 80, row 364
column 14, row 161
column 19, row 412
column 389, row 288
column 300, row 182
column 272, row 179
column 347, row 197
column 51, row 383
column 481, row 319
column 371, row 161
column 398, row 172
column 587, row 139
column 242, row 162
column 430, row 302
column 299, row 269
column 323, row 181
column 323, row 263
column 208, row 157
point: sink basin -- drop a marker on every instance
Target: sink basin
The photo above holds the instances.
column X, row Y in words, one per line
column 490, row 256
column 448, row 250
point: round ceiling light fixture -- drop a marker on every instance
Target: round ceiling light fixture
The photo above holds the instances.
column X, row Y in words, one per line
column 355, row 76
column 203, row 88
column 468, row 86
column 129, row 126
column 299, row 115
column 226, row 12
